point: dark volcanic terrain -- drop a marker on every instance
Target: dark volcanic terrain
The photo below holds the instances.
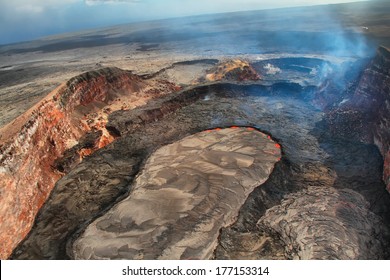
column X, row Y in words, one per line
column 258, row 135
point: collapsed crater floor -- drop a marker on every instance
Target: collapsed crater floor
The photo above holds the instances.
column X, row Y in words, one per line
column 324, row 200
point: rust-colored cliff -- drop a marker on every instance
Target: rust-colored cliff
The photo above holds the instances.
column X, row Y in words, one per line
column 31, row 145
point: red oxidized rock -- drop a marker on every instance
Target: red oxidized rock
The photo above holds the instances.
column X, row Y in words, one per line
column 31, row 144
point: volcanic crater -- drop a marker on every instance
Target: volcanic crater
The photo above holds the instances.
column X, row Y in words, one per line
column 233, row 136
column 157, row 170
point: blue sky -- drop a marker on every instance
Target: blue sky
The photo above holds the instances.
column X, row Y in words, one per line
column 22, row 20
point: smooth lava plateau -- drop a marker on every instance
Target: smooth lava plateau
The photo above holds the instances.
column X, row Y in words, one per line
column 186, row 193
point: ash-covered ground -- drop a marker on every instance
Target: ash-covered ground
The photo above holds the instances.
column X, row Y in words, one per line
column 325, row 198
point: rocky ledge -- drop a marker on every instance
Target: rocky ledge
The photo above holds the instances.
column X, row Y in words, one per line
column 54, row 136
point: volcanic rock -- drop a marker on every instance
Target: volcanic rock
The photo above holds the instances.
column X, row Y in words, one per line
column 312, row 222
column 311, row 157
column 185, row 194
column 232, row 70
column 48, row 140
column 365, row 114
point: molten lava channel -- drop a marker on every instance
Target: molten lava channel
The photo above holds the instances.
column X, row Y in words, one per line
column 186, row 193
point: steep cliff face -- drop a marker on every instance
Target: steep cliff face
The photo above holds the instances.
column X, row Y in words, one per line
column 33, row 144
column 365, row 114
column 378, row 79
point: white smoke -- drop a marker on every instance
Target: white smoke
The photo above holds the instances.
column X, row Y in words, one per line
column 271, row 69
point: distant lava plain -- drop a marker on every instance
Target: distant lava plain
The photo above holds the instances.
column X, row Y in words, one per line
column 164, row 115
